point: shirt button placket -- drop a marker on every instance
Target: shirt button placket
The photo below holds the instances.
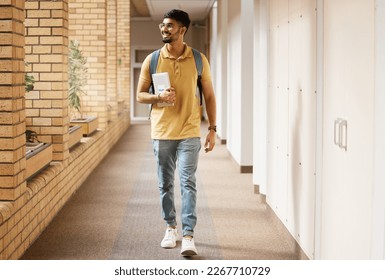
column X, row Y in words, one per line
column 177, row 68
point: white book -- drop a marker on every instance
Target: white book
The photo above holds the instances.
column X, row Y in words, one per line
column 161, row 83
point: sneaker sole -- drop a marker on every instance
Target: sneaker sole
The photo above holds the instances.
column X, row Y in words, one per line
column 168, row 246
column 189, row 253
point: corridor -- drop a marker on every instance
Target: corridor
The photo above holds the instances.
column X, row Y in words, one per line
column 115, row 214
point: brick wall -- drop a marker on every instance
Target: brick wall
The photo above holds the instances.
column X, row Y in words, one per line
column 123, row 51
column 46, row 193
column 112, row 59
column 47, row 54
column 88, row 24
column 12, row 113
column 26, row 208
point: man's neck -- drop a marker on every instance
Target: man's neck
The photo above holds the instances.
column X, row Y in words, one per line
column 176, row 49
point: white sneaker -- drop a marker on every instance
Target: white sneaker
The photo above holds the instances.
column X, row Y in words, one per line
column 169, row 240
column 188, row 247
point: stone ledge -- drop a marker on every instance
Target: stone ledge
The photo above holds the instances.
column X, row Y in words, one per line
column 6, row 211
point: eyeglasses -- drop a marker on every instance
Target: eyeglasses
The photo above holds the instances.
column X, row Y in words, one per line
column 169, row 26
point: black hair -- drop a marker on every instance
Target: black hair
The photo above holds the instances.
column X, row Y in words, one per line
column 180, row 16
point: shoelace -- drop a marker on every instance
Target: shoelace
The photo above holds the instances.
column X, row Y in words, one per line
column 170, row 232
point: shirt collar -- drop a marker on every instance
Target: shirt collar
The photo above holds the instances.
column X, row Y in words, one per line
column 187, row 52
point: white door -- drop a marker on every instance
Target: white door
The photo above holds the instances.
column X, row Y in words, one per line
column 348, row 95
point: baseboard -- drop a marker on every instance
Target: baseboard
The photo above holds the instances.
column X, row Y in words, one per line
column 222, row 141
column 243, row 169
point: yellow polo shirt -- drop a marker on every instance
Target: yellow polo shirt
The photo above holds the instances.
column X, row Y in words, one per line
column 182, row 120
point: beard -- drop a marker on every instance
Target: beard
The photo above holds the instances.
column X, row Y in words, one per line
column 166, row 40
column 170, row 39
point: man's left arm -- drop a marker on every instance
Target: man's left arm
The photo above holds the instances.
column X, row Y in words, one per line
column 208, row 93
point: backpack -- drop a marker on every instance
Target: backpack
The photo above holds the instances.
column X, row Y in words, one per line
column 198, row 64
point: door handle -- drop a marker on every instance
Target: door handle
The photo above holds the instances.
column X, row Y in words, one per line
column 344, row 134
column 341, row 133
column 337, row 134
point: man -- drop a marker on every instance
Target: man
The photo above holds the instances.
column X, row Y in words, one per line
column 175, row 129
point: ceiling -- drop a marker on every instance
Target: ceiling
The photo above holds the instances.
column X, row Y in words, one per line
column 155, row 9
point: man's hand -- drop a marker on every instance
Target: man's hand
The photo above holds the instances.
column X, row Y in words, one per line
column 210, row 141
column 168, row 96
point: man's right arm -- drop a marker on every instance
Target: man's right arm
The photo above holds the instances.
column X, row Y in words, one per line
column 142, row 94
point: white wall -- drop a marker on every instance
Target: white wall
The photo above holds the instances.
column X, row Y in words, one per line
column 292, row 117
column 213, row 22
column 320, row 66
column 378, row 220
column 261, row 33
column 221, row 70
column 240, row 81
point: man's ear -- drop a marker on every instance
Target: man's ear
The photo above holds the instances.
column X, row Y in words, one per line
column 184, row 28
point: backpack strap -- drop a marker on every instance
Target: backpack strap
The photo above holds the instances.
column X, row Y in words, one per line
column 153, row 65
column 199, row 66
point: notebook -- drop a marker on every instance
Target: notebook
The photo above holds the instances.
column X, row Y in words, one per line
column 161, row 83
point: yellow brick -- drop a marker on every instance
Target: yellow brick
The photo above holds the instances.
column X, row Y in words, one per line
column 8, row 169
column 38, row 14
column 39, row 31
column 31, row 22
column 7, row 156
column 41, row 50
column 6, row 144
column 30, row 96
column 9, row 117
column 55, row 58
column 51, row 5
column 29, row 40
column 28, row 49
column 42, row 67
column 6, row 65
column 59, row 86
column 6, row 12
column 6, row 38
column 58, row 121
column 42, row 86
column 52, row 40
column 31, row 58
column 6, row 51
column 42, row 121
column 6, row 26
column 51, row 77
column 6, row 92
column 59, row 31
column 54, row 94
column 53, row 130
column 52, row 113
column 59, row 67
column 42, row 104
column 58, row 14
column 52, row 22
column 29, row 5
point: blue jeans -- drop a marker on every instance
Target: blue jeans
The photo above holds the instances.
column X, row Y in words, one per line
column 168, row 153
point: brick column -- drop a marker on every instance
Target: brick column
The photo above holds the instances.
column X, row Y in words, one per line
column 12, row 104
column 124, row 67
column 47, row 52
column 112, row 59
column 88, row 24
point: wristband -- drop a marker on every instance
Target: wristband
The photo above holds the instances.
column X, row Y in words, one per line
column 212, row 127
